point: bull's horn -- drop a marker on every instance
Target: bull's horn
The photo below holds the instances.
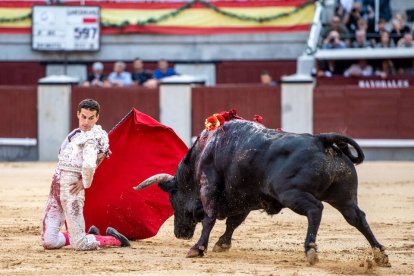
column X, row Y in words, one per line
column 154, row 179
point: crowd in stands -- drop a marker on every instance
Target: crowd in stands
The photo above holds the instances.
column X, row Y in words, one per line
column 353, row 26
column 119, row 77
column 383, row 68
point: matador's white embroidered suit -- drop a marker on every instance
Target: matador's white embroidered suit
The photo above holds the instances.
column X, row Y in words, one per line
column 77, row 160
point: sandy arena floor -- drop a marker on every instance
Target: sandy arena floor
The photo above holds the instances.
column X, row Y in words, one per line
column 263, row 245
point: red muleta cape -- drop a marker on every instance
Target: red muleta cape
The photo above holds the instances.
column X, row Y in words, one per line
column 141, row 147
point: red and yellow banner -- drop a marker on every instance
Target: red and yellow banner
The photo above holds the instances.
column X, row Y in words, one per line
column 187, row 18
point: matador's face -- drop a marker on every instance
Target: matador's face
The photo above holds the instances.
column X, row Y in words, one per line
column 87, row 119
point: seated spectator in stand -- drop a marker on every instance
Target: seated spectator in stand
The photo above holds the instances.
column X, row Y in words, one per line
column 385, row 41
column 362, row 25
column 344, row 7
column 163, row 70
column 351, row 19
column 375, row 36
column 384, row 8
column 399, row 28
column 406, row 41
column 333, row 41
column 369, row 18
column 140, row 76
column 96, row 78
column 409, row 70
column 387, row 69
column 328, row 69
column 360, row 69
column 336, row 25
column 119, row 77
column 360, row 40
column 266, row 79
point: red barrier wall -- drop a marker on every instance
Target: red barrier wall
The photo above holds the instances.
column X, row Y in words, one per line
column 247, row 100
column 18, row 105
column 371, row 113
column 21, row 73
column 249, row 71
column 116, row 103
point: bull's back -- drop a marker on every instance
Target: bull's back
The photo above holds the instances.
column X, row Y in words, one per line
column 257, row 162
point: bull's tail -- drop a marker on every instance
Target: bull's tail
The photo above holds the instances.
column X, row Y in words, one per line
column 342, row 142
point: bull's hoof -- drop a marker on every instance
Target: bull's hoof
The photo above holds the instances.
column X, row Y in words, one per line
column 196, row 252
column 380, row 258
column 221, row 247
column 312, row 256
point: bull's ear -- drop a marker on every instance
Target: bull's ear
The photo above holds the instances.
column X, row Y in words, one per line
column 168, row 186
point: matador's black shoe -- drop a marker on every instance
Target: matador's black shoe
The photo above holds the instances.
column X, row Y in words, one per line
column 94, row 230
column 114, row 233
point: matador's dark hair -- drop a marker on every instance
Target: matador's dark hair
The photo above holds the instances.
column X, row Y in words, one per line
column 89, row 104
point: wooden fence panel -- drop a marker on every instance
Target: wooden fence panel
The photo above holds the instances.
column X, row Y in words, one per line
column 18, row 105
column 249, row 71
column 247, row 100
column 116, row 103
column 21, row 73
column 364, row 113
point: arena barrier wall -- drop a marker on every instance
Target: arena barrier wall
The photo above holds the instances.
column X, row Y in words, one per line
column 116, row 103
column 18, row 123
column 378, row 113
column 379, row 118
column 231, row 72
column 21, row 73
column 248, row 100
column 366, row 113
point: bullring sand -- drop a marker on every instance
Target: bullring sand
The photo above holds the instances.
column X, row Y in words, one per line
column 262, row 245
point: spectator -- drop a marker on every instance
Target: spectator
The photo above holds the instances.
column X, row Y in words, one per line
column 385, row 41
column 375, row 37
column 360, row 69
column 119, row 77
column 346, row 5
column 362, row 24
column 351, row 19
column 140, row 75
column 384, row 8
column 409, row 70
column 336, row 25
column 399, row 28
column 96, row 78
column 360, row 40
column 163, row 70
column 328, row 69
column 406, row 41
column 333, row 41
column 267, row 79
column 369, row 18
column 387, row 69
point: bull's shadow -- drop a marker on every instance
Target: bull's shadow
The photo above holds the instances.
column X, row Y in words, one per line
column 244, row 166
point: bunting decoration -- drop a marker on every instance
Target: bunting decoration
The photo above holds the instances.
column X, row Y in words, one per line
column 196, row 17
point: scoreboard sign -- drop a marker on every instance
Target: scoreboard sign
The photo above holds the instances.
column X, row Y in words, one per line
column 65, row 28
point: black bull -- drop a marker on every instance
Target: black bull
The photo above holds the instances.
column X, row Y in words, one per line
column 244, row 166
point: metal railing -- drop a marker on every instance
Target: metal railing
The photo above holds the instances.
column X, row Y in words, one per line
column 316, row 29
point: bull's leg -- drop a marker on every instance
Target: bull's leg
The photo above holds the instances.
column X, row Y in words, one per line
column 224, row 242
column 307, row 205
column 356, row 217
column 208, row 193
column 201, row 246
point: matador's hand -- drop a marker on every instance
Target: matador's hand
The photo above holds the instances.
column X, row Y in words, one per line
column 102, row 156
column 76, row 187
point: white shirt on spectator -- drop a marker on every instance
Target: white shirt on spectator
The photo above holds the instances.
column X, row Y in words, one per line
column 357, row 71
